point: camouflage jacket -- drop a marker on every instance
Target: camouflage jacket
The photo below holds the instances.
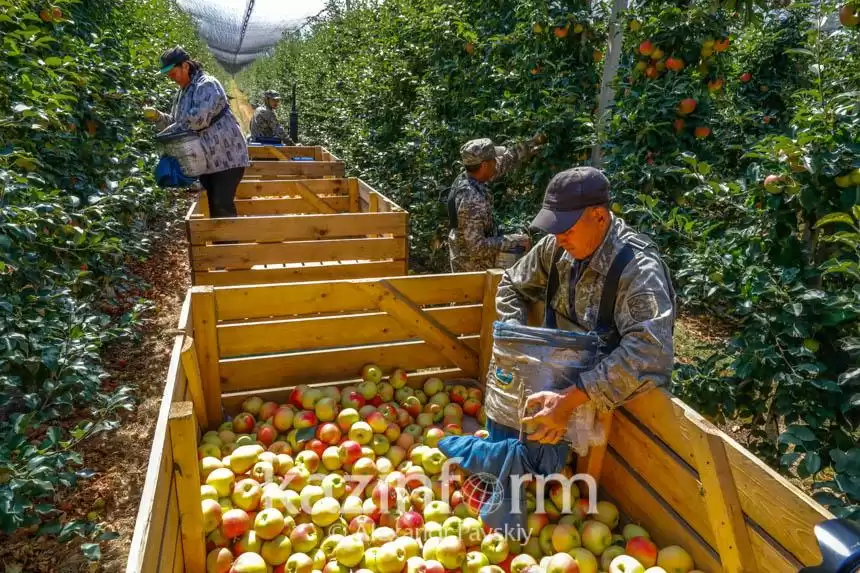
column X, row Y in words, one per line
column 475, row 243
column 265, row 124
column 644, row 311
column 194, row 108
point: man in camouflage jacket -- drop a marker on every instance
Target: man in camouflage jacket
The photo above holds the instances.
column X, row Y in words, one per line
column 265, row 123
column 473, row 241
column 583, row 240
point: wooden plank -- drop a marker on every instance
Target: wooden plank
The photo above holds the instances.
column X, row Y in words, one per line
column 289, row 206
column 203, row 316
column 279, row 228
column 241, row 374
column 301, row 273
column 185, row 314
column 489, row 316
column 354, row 204
column 184, row 435
column 249, row 254
column 366, row 190
column 637, row 501
column 309, row 169
column 152, row 510
column 374, row 202
column 256, row 189
column 248, row 302
column 191, row 366
column 592, row 463
column 242, row 339
column 313, row 199
column 168, row 536
column 431, row 330
column 283, row 152
column 721, row 500
column 768, row 499
column 232, row 402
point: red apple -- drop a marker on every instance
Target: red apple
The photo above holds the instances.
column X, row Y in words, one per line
column 349, row 452
column 316, row 446
column 471, row 407
column 458, row 394
column 352, row 400
column 283, row 419
column 296, row 396
column 398, row 378
column 304, row 419
column 410, row 523
column 377, row 422
column 403, row 418
column 235, row 523
column 329, row 434
column 243, row 423
column 267, row 434
column 643, row 550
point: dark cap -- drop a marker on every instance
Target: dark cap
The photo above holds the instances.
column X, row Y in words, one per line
column 567, row 196
column 173, row 57
column 271, row 94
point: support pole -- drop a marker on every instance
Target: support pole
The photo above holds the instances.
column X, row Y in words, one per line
column 610, row 69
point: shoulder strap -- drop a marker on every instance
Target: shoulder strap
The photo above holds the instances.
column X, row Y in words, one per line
column 549, row 319
column 453, row 220
column 606, row 313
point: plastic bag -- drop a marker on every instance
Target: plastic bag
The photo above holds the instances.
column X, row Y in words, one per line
column 527, row 360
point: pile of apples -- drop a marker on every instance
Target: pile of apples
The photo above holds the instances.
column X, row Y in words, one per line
column 350, row 479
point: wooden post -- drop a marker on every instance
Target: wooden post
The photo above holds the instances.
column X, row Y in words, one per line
column 203, row 201
column 203, row 317
column 354, row 204
column 721, row 498
column 610, row 68
column 488, row 317
column 195, row 385
column 374, row 202
column 186, row 476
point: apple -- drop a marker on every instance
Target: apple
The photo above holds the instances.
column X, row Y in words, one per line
column 276, row 551
column 473, row 562
column 412, row 406
column 211, row 515
column 296, row 478
column 219, row 560
column 377, row 422
column 607, row 513
column 250, row 563
column 235, row 523
column 208, row 492
column 346, row 418
column 655, row 569
column 369, row 561
column 632, row 530
column 247, row 494
column 329, row 434
column 351, row 507
column 625, row 564
column 545, row 539
column 643, row 549
column 450, row 552
column 269, row 523
column 402, row 394
column 392, row 433
column 565, row 537
column 403, row 418
column 222, row 480
column 585, row 559
column 326, row 409
column 243, row 423
column 596, row 536
column 361, row 433
column 329, row 543
column 352, row 400
column 371, row 373
column 349, row 452
column 391, row 558
column 208, row 465
column 243, row 458
column 299, row 563
column 675, row 559
column 432, row 437
column 562, row 563
column 433, row 386
column 453, row 410
column 267, row 410
column 379, row 444
column 208, row 450
column 310, row 398
column 367, row 389
column 305, row 537
column 495, row 547
column 458, row 394
column 535, row 522
column 437, row 511
column 304, row 419
column 252, row 405
column 296, row 395
column 440, row 399
column 309, row 460
column 325, row 511
column 349, row 551
column 334, row 486
column 471, row 407
column 433, row 461
column 331, row 458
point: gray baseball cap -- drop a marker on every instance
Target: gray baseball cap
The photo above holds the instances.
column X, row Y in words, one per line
column 477, row 151
column 567, row 196
column 271, row 94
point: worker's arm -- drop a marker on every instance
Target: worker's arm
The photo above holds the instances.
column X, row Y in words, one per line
column 515, row 155
column 525, row 283
column 471, row 217
column 209, row 100
column 254, row 128
column 281, row 132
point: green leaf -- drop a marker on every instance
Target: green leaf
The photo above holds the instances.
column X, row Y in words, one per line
column 831, row 218
column 802, row 433
column 813, row 462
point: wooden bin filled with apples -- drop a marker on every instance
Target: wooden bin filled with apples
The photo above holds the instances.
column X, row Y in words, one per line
column 299, row 230
column 269, row 162
column 689, row 497
column 287, row 152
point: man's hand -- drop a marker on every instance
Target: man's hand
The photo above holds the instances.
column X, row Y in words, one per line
column 518, row 239
column 538, row 139
column 553, row 415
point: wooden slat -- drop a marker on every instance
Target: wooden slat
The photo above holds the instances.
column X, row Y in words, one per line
column 264, row 188
column 184, row 436
column 203, row 317
column 240, row 374
column 289, row 335
column 249, row 302
column 366, row 190
column 273, row 229
column 313, row 199
column 768, row 499
column 250, row 254
column 233, row 402
column 287, row 151
column 354, row 203
column 309, row 169
column 721, row 500
column 169, row 536
column 289, row 206
column 412, row 316
column 191, row 366
column 637, row 502
column 490, row 315
column 291, row 274
column 677, row 483
column 151, row 513
column 374, row 202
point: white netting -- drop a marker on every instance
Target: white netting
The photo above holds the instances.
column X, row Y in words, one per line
column 222, row 22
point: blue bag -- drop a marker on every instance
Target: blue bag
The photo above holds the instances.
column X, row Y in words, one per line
column 168, row 173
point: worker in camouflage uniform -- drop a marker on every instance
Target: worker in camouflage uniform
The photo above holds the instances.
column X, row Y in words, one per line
column 473, row 239
column 264, row 124
column 596, row 275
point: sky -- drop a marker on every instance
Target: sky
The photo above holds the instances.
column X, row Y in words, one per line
column 220, row 24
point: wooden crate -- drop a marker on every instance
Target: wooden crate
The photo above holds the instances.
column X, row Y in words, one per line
column 287, row 152
column 301, row 230
column 666, row 467
column 324, row 164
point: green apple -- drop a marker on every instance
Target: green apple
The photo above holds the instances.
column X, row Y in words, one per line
column 222, row 480
column 607, row 513
column 329, row 543
column 298, row 563
column 596, row 536
column 410, row 546
column 368, row 562
column 625, row 564
column 473, row 562
column 391, row 558
column 495, row 547
column 325, row 511
column 471, row 531
column 674, row 558
column 452, row 526
column 565, row 538
column 436, row 511
column 450, row 552
column 545, row 539
column 269, row 523
column 277, row 550
column 252, row 563
column 608, row 555
column 585, row 559
column 433, row 461
column 522, row 562
column 428, row 552
column 349, row 551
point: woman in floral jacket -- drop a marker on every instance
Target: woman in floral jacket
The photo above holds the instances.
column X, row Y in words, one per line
column 201, row 105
